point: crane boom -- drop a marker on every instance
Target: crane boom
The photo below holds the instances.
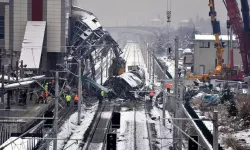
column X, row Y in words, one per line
column 238, row 29
column 245, row 15
column 216, row 31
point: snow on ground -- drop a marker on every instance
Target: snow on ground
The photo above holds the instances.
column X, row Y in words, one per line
column 134, row 55
column 70, row 129
column 171, row 68
column 162, row 131
column 141, row 131
column 106, row 115
column 126, row 132
column 95, row 146
column 126, row 136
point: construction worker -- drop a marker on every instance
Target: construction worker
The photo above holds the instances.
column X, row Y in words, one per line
column 76, row 98
column 46, row 94
column 40, row 98
column 151, row 95
column 46, row 86
column 68, row 99
column 102, row 94
column 168, row 86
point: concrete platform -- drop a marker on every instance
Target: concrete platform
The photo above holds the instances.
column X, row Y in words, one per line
column 32, row 109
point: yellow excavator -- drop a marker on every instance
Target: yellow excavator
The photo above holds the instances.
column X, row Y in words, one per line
column 219, row 45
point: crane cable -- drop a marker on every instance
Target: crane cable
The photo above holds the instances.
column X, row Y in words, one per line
column 168, row 13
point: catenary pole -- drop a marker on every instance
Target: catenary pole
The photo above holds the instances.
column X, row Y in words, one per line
column 56, row 111
column 180, row 100
column 153, row 66
column 176, row 81
column 101, row 69
column 215, row 130
column 79, row 91
column 2, row 87
column 164, row 104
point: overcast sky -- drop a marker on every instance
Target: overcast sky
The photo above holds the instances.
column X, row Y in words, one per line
column 134, row 12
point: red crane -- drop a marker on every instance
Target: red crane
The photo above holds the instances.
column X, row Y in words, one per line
column 238, row 29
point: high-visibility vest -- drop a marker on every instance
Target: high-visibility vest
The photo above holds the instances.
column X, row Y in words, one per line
column 168, row 86
column 76, row 98
column 68, row 98
column 102, row 93
column 46, row 87
column 46, row 93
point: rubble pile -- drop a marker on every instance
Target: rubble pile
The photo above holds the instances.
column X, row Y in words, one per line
column 234, row 116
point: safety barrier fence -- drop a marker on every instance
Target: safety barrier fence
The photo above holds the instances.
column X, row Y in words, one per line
column 162, row 68
column 207, row 134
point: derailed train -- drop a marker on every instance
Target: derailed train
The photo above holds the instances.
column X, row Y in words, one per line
column 87, row 40
column 124, row 85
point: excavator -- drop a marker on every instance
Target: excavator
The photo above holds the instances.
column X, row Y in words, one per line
column 221, row 71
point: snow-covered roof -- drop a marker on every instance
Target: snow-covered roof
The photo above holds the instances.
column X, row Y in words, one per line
column 201, row 37
column 33, row 44
column 23, row 79
column 14, row 85
column 19, row 144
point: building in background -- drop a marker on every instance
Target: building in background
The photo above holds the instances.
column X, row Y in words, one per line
column 205, row 59
column 34, row 29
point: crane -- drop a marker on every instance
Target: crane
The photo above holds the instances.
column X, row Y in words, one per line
column 219, row 45
column 236, row 22
column 240, row 28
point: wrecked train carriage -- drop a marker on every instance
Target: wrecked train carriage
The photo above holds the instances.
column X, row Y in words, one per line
column 124, row 85
column 140, row 73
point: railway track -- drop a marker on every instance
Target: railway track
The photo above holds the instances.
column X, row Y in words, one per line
column 127, row 53
column 135, row 146
column 148, row 127
column 63, row 115
column 99, row 129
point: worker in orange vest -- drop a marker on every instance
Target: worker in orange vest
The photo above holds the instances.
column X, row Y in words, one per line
column 46, row 94
column 76, row 98
column 168, row 86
